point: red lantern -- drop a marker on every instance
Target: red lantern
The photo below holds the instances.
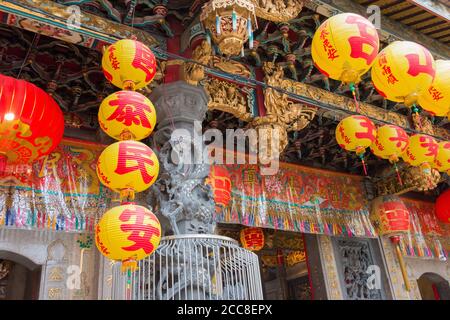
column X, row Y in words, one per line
column 220, row 180
column 443, row 207
column 31, row 122
column 389, row 215
column 252, row 238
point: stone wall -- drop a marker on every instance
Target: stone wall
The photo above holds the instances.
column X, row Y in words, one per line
column 415, row 268
column 58, row 253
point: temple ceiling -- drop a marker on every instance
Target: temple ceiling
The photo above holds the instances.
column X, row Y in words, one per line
column 68, row 68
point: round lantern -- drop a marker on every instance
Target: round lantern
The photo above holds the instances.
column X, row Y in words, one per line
column 129, row 64
column 442, row 161
column 128, row 233
column 128, row 167
column 127, row 115
column 252, row 238
column 356, row 133
column 421, row 151
column 402, row 71
column 390, row 143
column 437, row 98
column 31, row 122
column 389, row 215
column 345, row 46
column 443, row 206
column 220, row 181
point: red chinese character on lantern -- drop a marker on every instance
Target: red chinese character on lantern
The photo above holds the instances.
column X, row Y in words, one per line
column 392, row 79
column 364, row 40
column 141, row 155
column 332, row 54
column 131, row 109
column 415, row 68
column 324, row 33
column 112, row 58
column 144, row 60
column 141, row 234
column 430, row 144
column 343, row 135
column 396, row 216
column 365, row 123
column 253, row 238
column 382, row 60
column 437, row 95
column 401, row 138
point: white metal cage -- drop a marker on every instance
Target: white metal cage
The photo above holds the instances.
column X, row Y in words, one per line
column 192, row 267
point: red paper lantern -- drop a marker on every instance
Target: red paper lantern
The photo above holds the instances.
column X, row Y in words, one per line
column 389, row 215
column 252, row 238
column 31, row 122
column 443, row 207
column 220, row 181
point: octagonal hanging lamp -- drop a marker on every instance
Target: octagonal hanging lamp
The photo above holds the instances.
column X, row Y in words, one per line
column 230, row 23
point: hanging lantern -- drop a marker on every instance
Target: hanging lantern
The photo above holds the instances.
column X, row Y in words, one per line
column 128, row 233
column 345, row 46
column 230, row 24
column 355, row 134
column 127, row 167
column 31, row 122
column 129, row 64
column 437, row 98
column 402, row 71
column 252, row 238
column 220, row 181
column 127, row 115
column 421, row 151
column 390, row 143
column 443, row 206
column 390, row 216
column 442, row 161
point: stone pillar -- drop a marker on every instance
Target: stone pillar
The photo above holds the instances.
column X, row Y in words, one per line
column 180, row 195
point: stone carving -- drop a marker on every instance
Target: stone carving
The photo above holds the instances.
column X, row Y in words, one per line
column 278, row 10
column 55, row 293
column 226, row 96
column 180, row 194
column 56, row 251
column 193, row 72
column 355, row 257
column 56, row 274
column 282, row 115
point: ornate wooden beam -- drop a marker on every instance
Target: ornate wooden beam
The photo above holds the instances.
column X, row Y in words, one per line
column 54, row 20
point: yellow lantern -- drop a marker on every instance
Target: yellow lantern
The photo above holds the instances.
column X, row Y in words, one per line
column 127, row 115
column 402, row 71
column 437, row 98
column 442, row 161
column 128, row 167
column 390, row 143
column 421, row 151
column 345, row 46
column 128, row 233
column 356, row 133
column 129, row 64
